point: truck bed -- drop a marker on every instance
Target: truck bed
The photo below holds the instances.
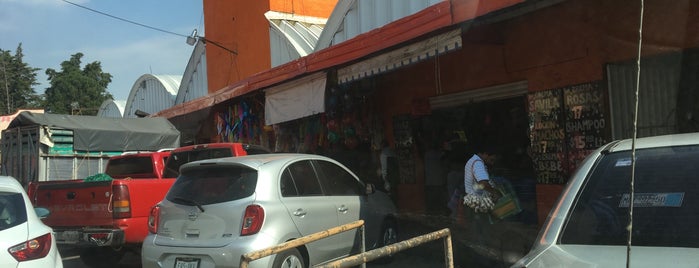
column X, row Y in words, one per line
column 70, row 200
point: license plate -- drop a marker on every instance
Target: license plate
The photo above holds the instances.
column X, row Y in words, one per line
column 69, row 236
column 187, row 263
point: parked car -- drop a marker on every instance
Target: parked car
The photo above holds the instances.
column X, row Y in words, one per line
column 588, row 226
column 220, row 209
column 24, row 240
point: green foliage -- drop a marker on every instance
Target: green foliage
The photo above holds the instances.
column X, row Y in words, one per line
column 17, row 80
column 77, row 91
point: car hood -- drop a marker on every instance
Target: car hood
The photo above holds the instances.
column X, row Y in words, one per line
column 610, row 256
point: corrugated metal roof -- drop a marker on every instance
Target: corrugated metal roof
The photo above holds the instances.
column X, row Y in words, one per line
column 152, row 93
column 112, row 109
column 194, row 83
column 354, row 17
column 292, row 36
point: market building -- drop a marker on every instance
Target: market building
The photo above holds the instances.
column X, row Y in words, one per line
column 547, row 81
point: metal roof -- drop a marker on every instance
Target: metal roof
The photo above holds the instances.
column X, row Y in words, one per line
column 152, row 93
column 112, row 108
column 194, row 83
column 292, row 36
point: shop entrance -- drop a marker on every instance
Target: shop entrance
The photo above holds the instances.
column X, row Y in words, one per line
column 501, row 123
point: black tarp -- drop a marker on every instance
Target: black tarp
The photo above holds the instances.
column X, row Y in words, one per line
column 92, row 133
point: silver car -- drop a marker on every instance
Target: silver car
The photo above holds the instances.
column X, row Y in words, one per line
column 220, row 209
column 589, row 225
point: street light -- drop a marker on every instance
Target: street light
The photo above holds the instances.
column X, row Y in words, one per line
column 194, row 37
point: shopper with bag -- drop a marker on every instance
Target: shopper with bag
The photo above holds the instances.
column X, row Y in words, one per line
column 481, row 195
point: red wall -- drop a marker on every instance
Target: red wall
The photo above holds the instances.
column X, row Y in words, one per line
column 240, row 25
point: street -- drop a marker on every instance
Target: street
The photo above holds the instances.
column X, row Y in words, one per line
column 430, row 254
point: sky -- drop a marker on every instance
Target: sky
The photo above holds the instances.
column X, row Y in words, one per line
column 51, row 31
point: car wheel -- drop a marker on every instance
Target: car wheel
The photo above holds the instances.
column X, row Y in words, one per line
column 389, row 235
column 101, row 256
column 289, row 259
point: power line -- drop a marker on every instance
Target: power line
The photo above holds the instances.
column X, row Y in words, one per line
column 122, row 19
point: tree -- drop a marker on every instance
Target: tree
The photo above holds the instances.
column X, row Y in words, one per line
column 74, row 90
column 17, row 80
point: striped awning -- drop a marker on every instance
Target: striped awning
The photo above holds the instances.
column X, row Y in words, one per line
column 400, row 57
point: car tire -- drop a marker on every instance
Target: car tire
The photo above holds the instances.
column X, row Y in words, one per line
column 388, row 236
column 289, row 259
column 101, row 256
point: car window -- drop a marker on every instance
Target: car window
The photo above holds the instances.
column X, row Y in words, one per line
column 337, row 180
column 287, row 186
column 213, row 184
column 302, row 176
column 664, row 209
column 12, row 210
column 172, row 166
column 130, row 166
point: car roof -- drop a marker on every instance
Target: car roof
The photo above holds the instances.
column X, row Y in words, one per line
column 258, row 160
column 656, row 141
column 7, row 182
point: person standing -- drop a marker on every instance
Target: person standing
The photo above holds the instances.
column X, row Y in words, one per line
column 477, row 182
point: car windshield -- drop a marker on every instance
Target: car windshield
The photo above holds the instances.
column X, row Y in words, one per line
column 12, row 210
column 665, row 212
column 213, row 184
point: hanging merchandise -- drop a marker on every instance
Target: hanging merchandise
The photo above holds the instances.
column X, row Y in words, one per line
column 238, row 123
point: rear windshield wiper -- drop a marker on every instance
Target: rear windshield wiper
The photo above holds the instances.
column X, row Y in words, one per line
column 189, row 202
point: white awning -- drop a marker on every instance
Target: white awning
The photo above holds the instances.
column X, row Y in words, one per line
column 296, row 99
column 400, row 57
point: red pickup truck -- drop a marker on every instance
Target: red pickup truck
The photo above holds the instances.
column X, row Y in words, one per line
column 106, row 218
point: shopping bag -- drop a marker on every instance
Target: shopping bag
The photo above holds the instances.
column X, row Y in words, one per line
column 508, row 204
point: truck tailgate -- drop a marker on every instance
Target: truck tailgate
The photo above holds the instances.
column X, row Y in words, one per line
column 75, row 203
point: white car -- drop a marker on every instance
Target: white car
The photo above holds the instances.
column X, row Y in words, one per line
column 25, row 242
column 589, row 225
column 220, row 209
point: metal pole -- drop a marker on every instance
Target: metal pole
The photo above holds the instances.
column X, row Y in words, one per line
column 394, row 248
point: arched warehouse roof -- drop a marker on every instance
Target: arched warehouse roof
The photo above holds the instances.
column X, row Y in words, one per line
column 152, row 93
column 112, row 109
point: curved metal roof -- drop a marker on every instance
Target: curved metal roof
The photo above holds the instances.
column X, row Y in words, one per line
column 112, row 108
column 292, row 36
column 194, row 83
column 351, row 18
column 151, row 94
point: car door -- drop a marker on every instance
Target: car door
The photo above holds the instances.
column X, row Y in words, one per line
column 345, row 191
column 309, row 208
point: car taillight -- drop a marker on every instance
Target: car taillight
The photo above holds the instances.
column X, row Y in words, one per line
column 121, row 204
column 154, row 219
column 32, row 249
column 252, row 220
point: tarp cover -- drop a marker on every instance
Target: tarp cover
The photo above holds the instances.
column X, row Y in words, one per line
column 92, row 133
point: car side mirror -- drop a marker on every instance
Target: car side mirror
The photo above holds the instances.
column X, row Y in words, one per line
column 370, row 189
column 42, row 212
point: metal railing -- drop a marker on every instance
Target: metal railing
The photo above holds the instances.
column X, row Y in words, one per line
column 374, row 254
column 258, row 254
column 364, row 256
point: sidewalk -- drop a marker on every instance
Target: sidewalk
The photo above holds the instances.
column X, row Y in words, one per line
column 511, row 241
